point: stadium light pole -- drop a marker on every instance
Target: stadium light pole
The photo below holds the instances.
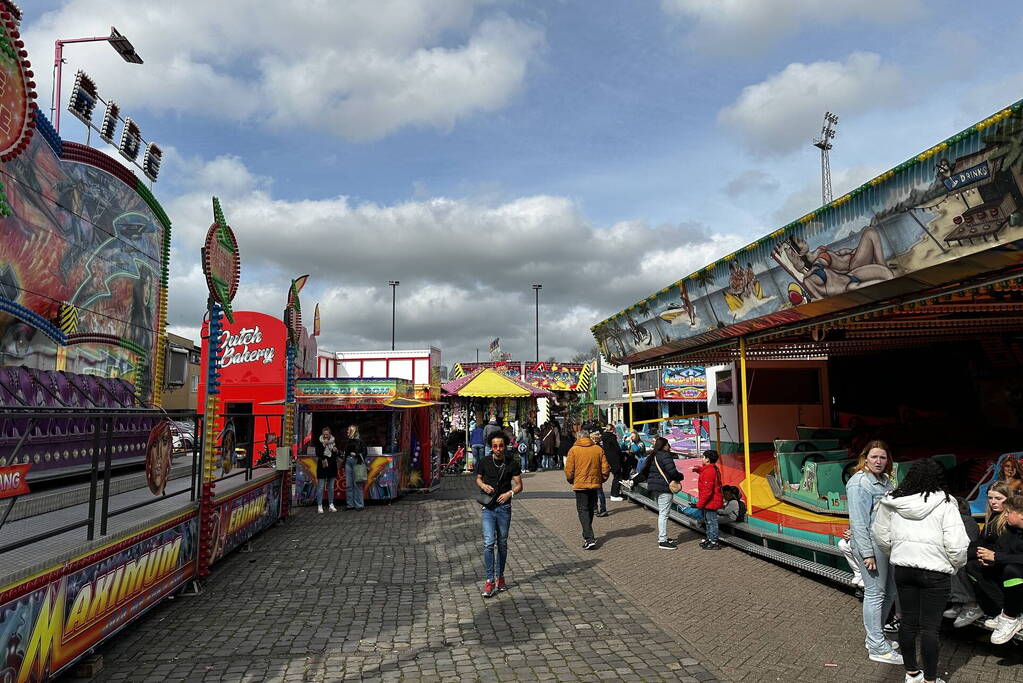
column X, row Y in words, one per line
column 537, row 288
column 394, row 298
column 121, row 44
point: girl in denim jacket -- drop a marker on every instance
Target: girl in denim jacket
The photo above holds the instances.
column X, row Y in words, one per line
column 871, row 482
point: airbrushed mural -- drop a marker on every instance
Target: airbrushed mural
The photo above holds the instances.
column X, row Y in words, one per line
column 84, row 251
column 959, row 201
column 81, row 237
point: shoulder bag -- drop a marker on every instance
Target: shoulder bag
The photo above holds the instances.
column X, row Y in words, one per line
column 487, row 499
column 673, row 486
column 360, row 473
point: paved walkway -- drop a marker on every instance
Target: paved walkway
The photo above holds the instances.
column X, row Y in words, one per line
column 392, row 593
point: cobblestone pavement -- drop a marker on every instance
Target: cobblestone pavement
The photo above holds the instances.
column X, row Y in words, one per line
column 751, row 619
column 392, row 593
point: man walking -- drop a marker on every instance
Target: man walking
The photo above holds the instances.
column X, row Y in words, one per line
column 489, row 430
column 613, row 455
column 499, row 477
column 586, row 470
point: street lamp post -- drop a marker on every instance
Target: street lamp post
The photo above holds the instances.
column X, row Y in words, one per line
column 537, row 288
column 394, row 298
column 121, row 44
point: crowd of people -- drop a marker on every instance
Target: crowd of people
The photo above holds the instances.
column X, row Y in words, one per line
column 595, row 455
column 915, row 549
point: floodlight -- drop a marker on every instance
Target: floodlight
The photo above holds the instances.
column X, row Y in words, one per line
column 123, row 47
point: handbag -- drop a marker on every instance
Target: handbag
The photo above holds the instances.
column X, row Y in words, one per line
column 673, row 486
column 360, row 473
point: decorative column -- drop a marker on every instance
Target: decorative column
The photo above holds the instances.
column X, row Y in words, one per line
column 210, row 423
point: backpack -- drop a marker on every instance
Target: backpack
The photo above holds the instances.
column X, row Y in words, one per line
column 742, row 512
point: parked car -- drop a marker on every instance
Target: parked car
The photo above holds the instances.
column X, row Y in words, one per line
column 183, row 435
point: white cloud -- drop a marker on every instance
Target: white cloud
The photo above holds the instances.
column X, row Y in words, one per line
column 783, row 113
column 747, row 26
column 359, row 69
column 465, row 266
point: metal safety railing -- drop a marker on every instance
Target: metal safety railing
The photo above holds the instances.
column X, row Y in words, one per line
column 694, row 416
column 95, row 431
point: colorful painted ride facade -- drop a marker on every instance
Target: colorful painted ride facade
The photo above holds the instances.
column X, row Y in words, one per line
column 892, row 312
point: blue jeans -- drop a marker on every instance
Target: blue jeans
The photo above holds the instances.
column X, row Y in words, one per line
column 601, row 501
column 663, row 508
column 878, row 597
column 353, row 490
column 710, row 517
column 329, row 484
column 524, row 461
column 496, row 524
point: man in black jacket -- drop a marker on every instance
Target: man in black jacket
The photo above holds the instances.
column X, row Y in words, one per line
column 613, row 455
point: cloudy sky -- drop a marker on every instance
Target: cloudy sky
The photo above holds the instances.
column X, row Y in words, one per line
column 470, row 148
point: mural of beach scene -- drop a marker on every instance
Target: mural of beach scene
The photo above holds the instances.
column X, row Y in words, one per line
column 959, row 201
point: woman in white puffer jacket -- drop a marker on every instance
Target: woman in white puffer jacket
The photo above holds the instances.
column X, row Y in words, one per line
column 919, row 525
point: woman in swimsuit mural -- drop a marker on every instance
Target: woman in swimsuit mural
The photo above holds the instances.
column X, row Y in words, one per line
column 826, row 272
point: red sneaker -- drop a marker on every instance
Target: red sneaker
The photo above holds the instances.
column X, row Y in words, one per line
column 489, row 590
column 501, row 585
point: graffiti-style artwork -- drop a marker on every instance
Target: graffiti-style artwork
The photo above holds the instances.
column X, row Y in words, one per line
column 47, row 628
column 242, row 517
column 558, row 376
column 950, row 203
column 81, row 236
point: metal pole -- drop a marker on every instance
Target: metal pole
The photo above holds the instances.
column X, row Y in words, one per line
column 629, row 380
column 745, row 422
column 106, row 476
column 58, row 59
column 93, row 478
column 537, row 290
column 394, row 301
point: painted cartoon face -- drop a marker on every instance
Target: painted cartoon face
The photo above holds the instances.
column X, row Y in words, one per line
column 995, row 500
column 877, row 460
column 1009, row 468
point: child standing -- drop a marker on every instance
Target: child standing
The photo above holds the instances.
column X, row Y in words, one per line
column 709, row 498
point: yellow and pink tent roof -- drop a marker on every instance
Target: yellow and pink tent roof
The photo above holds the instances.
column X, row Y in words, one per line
column 488, row 383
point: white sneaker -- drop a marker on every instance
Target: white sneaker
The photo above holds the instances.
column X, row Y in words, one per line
column 890, row 657
column 968, row 616
column 991, row 623
column 1005, row 630
column 332, row 508
column 319, row 508
column 952, row 612
column 918, row 677
column 617, row 499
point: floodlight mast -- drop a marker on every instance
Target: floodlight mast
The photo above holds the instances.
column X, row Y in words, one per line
column 121, row 44
column 823, row 143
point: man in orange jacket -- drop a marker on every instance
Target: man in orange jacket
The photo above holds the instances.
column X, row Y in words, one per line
column 586, row 470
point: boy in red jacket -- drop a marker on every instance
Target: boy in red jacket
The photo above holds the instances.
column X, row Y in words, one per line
column 709, row 498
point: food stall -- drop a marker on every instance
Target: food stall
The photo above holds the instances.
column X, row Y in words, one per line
column 419, row 366
column 486, row 394
column 383, row 408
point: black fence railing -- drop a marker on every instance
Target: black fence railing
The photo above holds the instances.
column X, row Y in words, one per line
column 58, row 440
